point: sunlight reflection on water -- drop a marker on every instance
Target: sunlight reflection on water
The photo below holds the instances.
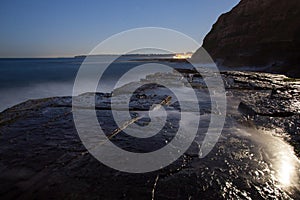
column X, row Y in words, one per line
column 285, row 164
column 281, row 156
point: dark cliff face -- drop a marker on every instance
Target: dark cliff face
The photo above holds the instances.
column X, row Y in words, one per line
column 258, row 33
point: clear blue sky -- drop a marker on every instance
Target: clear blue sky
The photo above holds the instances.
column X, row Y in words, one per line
column 37, row 28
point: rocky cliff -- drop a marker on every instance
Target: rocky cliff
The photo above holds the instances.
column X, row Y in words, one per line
column 258, row 33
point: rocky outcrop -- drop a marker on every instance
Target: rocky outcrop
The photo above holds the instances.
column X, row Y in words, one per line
column 42, row 156
column 260, row 33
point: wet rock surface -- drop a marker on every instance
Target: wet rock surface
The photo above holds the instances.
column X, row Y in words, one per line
column 275, row 104
column 42, row 156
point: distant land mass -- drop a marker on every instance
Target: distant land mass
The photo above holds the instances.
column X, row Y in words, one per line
column 263, row 35
column 125, row 55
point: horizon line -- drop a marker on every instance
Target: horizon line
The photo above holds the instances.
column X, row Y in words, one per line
column 84, row 55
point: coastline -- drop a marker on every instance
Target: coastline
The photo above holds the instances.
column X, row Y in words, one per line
column 50, row 152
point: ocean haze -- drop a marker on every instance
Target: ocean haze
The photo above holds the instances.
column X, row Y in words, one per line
column 33, row 78
column 23, row 79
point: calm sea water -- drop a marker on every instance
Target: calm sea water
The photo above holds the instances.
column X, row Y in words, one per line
column 23, row 79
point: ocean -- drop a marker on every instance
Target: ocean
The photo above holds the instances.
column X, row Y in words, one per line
column 31, row 78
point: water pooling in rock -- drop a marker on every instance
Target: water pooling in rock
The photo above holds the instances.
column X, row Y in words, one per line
column 43, row 157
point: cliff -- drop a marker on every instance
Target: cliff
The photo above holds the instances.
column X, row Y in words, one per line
column 258, row 33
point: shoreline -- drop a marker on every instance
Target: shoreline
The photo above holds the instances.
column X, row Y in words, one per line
column 247, row 106
column 41, row 146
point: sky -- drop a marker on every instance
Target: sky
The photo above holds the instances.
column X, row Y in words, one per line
column 61, row 28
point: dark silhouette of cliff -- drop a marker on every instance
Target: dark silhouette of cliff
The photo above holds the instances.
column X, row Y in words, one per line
column 260, row 33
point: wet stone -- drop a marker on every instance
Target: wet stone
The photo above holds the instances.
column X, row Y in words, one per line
column 42, row 156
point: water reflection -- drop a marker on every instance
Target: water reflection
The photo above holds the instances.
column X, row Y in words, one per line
column 285, row 171
column 281, row 158
column 285, row 164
